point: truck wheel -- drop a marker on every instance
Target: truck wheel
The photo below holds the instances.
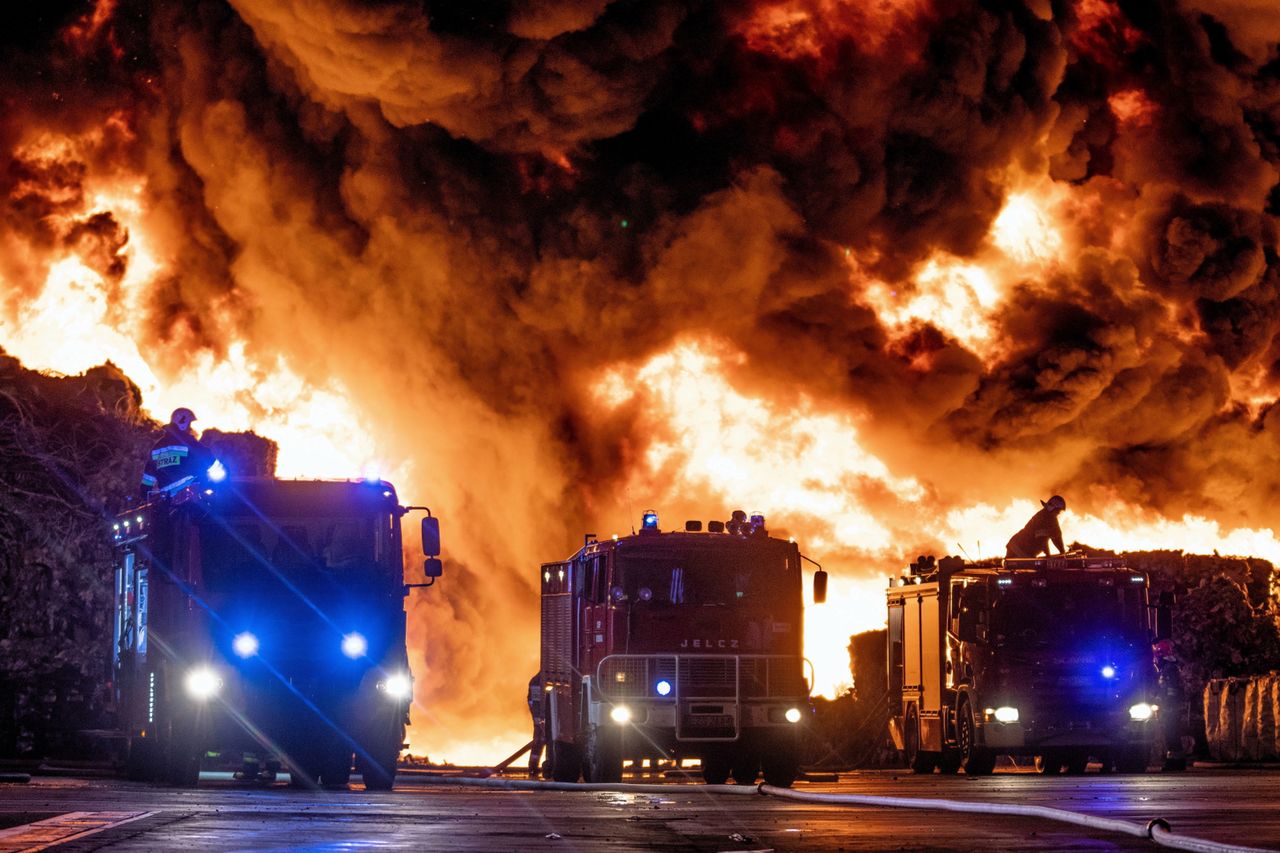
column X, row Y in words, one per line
column 746, row 767
column 1049, row 764
column 335, row 765
column 565, row 761
column 603, row 761
column 378, row 769
column 1132, row 759
column 301, row 766
column 143, row 763
column 715, row 768
column 975, row 760
column 182, row 765
column 1077, row 762
column 920, row 761
column 781, row 771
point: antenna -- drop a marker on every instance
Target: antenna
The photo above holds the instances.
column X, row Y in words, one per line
column 966, row 553
column 631, row 510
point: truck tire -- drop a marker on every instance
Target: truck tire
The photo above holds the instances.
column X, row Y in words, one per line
column 920, row 761
column 603, row 759
column 1132, row 759
column 1077, row 762
column 182, row 756
column 715, row 768
column 143, row 763
column 975, row 760
column 1050, row 763
column 746, row 766
column 781, row 770
column 564, row 761
column 335, row 765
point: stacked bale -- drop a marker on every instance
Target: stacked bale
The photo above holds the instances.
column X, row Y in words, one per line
column 1241, row 717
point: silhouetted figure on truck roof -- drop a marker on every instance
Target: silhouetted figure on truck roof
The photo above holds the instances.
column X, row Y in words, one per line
column 178, row 459
column 1034, row 539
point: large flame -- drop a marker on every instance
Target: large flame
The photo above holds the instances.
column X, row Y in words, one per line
column 887, row 272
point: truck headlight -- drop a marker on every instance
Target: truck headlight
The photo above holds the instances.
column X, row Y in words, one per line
column 1142, row 711
column 792, row 715
column 398, row 686
column 1006, row 714
column 620, row 714
column 202, row 683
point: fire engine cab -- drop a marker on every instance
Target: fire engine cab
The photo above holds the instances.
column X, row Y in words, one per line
column 666, row 645
column 1046, row 657
column 265, row 616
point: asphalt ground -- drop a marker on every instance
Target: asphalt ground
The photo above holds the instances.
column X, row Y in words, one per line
column 75, row 814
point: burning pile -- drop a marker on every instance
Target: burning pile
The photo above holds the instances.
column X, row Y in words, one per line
column 886, row 271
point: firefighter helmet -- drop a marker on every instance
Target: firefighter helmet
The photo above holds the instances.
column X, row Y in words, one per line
column 1054, row 503
column 182, row 417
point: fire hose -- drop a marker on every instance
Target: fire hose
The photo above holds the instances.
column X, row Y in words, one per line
column 1157, row 830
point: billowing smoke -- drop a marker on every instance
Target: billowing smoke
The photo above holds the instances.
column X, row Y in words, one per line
column 466, row 214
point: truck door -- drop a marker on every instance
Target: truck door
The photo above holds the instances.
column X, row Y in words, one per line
column 595, row 612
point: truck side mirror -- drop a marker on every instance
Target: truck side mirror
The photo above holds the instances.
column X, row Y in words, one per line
column 430, row 536
column 1164, row 622
column 432, row 567
column 819, row 586
column 968, row 627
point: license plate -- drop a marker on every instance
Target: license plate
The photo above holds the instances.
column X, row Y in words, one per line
column 710, row 721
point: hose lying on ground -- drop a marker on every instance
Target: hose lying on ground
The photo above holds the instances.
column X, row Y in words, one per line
column 1158, row 830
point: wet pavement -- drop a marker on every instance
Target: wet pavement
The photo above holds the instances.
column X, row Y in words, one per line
column 68, row 814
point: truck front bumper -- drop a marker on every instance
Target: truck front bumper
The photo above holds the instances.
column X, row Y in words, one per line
column 1102, row 731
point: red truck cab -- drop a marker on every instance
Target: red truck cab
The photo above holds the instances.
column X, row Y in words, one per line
column 674, row 645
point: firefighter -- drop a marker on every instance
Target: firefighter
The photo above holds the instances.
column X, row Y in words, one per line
column 178, row 459
column 1042, row 529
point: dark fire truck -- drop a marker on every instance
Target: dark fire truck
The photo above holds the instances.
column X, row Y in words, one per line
column 265, row 616
column 1047, row 657
column 673, row 645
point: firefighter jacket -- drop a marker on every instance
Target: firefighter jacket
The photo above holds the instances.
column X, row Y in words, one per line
column 177, row 460
column 1033, row 539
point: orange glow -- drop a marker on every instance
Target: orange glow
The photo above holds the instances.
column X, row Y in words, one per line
column 806, row 30
column 1132, row 106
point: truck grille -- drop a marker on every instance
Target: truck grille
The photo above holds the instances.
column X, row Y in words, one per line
column 702, row 676
column 557, row 637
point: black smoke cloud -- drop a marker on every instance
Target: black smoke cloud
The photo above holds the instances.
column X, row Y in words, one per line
column 465, row 211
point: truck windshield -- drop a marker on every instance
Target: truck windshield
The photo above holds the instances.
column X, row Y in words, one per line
column 708, row 579
column 1067, row 611
column 240, row 552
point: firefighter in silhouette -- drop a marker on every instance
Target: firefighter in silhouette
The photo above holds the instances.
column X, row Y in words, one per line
column 1042, row 529
column 178, row 459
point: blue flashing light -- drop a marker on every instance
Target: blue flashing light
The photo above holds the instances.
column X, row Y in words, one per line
column 354, row 645
column 663, row 687
column 372, row 475
column 650, row 521
column 1108, row 671
column 217, row 472
column 245, row 644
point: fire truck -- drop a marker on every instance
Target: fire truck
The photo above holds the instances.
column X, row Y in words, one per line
column 673, row 645
column 1047, row 657
column 265, row 617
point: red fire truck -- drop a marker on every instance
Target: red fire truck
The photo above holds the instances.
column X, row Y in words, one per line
column 672, row 645
column 1048, row 657
column 265, row 616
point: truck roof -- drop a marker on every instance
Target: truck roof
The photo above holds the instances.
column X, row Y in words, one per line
column 301, row 497
column 1055, row 568
column 681, row 540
